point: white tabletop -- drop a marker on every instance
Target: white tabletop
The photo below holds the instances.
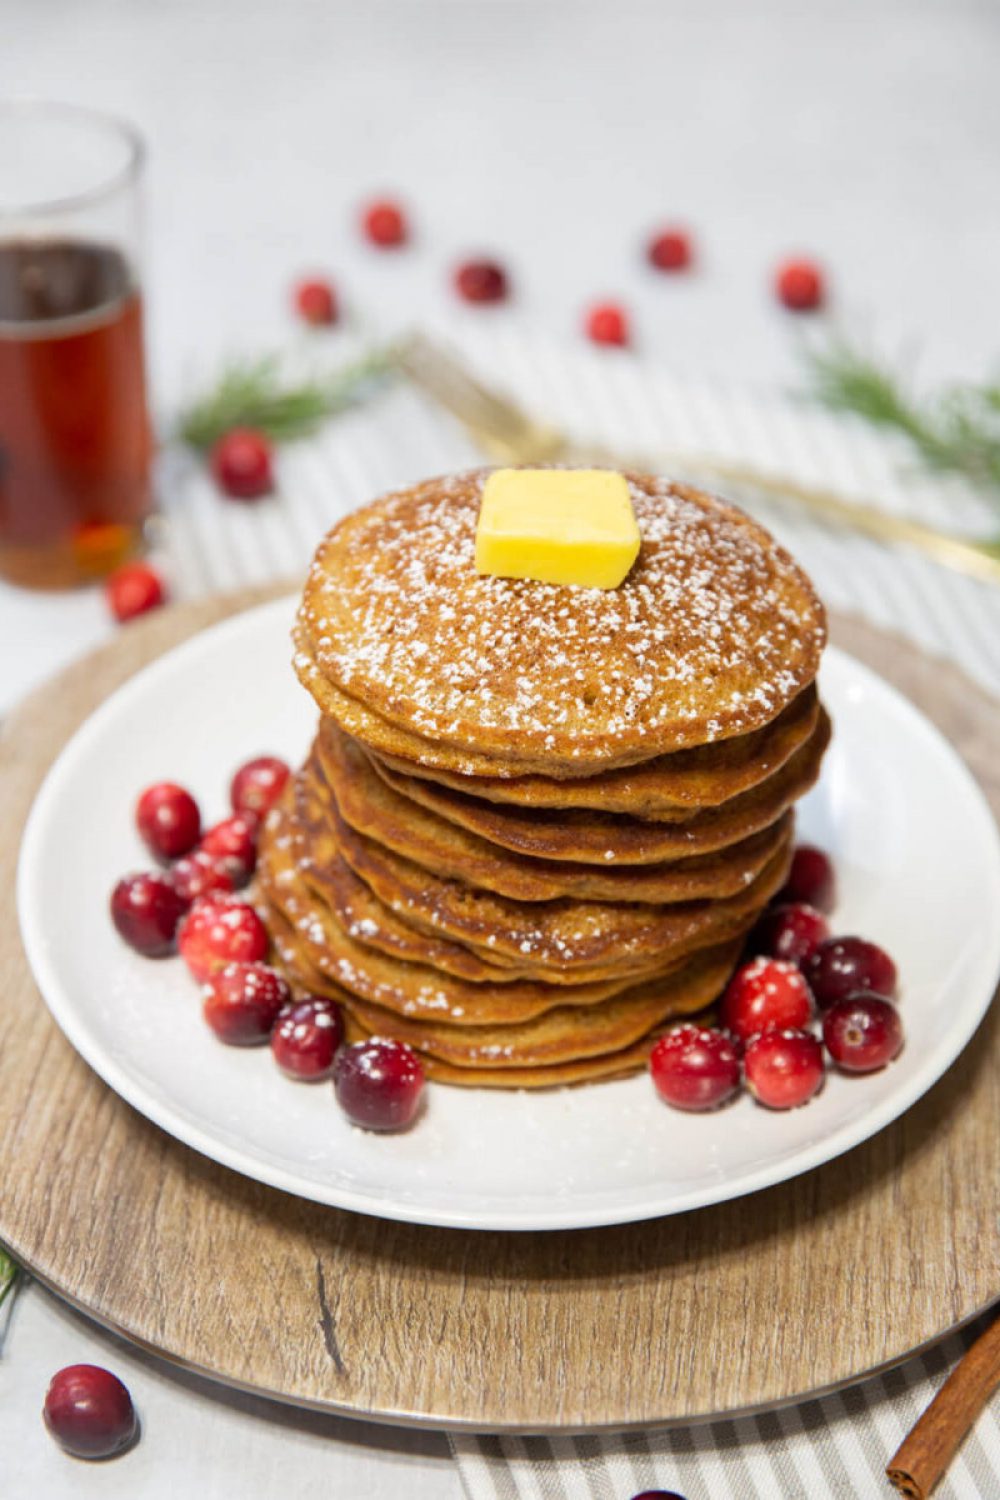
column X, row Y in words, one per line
column 552, row 135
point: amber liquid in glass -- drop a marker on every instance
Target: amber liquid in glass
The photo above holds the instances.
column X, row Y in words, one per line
column 74, row 430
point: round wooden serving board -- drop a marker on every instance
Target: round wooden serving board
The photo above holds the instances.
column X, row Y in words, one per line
column 743, row 1306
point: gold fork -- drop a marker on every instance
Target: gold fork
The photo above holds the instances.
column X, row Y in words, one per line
column 507, row 434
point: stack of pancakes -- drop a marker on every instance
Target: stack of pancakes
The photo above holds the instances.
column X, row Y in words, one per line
column 537, row 821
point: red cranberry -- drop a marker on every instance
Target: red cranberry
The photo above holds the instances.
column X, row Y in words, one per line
column 134, row 589
column 243, row 1001
column 306, row 1037
column 217, row 931
column 168, row 820
column 670, row 250
column 202, row 874
column 607, row 323
column 791, row 932
column 694, row 1067
column 810, row 879
column 316, row 302
column 89, row 1412
column 481, row 281
column 799, row 285
column 863, row 1032
column 257, row 785
column 783, row 1069
column 658, row 1495
column 241, row 464
column 767, row 994
column 379, row 1083
column 146, row 911
column 384, row 223
column 234, row 842
column 843, row 965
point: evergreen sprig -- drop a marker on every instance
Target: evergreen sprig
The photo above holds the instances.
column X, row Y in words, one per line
column 259, row 393
column 9, row 1272
column 956, row 430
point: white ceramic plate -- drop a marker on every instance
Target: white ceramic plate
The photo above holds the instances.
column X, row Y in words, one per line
column 918, row 865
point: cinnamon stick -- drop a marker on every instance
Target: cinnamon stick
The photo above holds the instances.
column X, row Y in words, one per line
column 933, row 1442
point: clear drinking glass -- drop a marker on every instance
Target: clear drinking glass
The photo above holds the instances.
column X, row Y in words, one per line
column 75, row 443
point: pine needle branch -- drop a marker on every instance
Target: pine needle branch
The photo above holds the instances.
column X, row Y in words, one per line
column 257, row 393
column 956, row 430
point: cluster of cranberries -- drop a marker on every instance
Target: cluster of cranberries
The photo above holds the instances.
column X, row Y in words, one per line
column 798, row 284
column 190, row 905
column 797, row 973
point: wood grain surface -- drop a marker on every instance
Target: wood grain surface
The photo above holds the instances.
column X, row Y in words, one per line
column 739, row 1307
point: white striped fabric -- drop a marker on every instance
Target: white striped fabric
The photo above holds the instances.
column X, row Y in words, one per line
column 834, row 1449
column 838, row 1446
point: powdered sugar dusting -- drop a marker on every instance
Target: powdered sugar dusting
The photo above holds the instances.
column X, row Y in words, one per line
column 715, row 628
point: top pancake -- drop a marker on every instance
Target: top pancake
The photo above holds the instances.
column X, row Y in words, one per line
column 712, row 634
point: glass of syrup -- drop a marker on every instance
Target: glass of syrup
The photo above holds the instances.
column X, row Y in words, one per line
column 75, row 443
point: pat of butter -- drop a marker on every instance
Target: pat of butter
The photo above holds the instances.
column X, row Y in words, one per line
column 557, row 526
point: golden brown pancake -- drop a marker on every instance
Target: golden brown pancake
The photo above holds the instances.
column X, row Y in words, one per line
column 371, row 807
column 714, row 632
column 400, row 930
column 586, row 837
column 406, row 988
column 566, row 1034
column 668, row 788
column 611, row 1065
column 365, row 918
column 580, row 936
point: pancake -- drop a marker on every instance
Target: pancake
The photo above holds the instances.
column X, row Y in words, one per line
column 586, row 837
column 566, row 1034
column 401, row 930
column 667, row 788
column 563, row 934
column 713, row 633
column 372, row 808
column 365, row 918
column 407, row 989
column 604, row 1067
column 569, row 1032
column 361, row 914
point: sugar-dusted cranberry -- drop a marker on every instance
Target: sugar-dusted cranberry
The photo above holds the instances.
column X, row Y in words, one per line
column 607, row 323
column 800, row 285
column 316, row 302
column 384, row 223
column 146, row 910
column 843, row 965
column 203, row 874
column 306, row 1037
column 791, row 932
column 694, row 1067
column 670, row 250
column 243, row 1001
column 168, row 820
column 89, row 1412
column 481, row 281
column 257, row 785
column 767, row 994
column 134, row 589
column 379, row 1083
column 783, row 1069
column 219, row 930
column 863, row 1032
column 234, row 841
column 242, row 465
column 810, row 879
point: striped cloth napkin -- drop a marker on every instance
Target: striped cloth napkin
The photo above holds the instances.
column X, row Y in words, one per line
column 838, row 1446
